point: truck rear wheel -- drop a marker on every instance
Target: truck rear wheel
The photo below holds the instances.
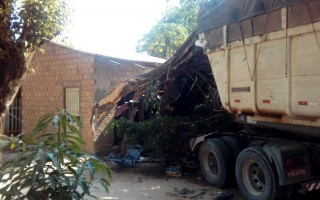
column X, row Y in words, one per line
column 234, row 144
column 255, row 175
column 215, row 161
column 216, row 101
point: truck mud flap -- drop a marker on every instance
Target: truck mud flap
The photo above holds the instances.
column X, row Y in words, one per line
column 311, row 186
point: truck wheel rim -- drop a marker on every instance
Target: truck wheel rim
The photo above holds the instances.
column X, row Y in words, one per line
column 212, row 165
column 254, row 178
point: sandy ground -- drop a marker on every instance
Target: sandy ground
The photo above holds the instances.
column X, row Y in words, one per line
column 151, row 182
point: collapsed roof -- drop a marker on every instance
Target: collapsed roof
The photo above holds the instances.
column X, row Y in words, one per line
column 188, row 60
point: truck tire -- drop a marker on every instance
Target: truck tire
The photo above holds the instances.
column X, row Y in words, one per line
column 215, row 99
column 234, row 144
column 216, row 162
column 202, row 110
column 255, row 175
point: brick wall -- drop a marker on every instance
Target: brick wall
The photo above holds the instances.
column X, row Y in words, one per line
column 107, row 74
column 59, row 67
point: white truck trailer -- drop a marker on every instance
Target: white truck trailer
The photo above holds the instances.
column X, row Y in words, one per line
column 265, row 58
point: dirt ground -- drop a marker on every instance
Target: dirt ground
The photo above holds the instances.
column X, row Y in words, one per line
column 149, row 181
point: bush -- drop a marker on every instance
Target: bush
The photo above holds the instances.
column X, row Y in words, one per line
column 50, row 164
column 168, row 137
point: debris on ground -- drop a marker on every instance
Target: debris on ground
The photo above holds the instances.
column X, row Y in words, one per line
column 174, row 171
column 227, row 195
column 184, row 193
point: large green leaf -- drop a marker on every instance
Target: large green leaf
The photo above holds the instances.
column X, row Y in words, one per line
column 84, row 186
column 54, row 167
column 55, row 161
column 46, row 117
column 91, row 168
column 80, row 171
column 105, row 184
column 40, row 127
column 73, row 129
column 55, row 122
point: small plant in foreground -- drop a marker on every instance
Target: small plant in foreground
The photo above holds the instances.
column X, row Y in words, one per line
column 50, row 164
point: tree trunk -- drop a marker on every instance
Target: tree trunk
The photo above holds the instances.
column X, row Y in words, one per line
column 2, row 124
column 5, row 102
column 11, row 73
column 13, row 66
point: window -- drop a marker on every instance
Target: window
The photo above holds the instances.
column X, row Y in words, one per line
column 72, row 100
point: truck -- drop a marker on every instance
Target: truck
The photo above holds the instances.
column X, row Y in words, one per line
column 265, row 59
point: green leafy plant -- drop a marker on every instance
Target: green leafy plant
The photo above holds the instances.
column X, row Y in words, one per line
column 50, row 164
column 151, row 98
column 25, row 26
column 168, row 137
column 172, row 30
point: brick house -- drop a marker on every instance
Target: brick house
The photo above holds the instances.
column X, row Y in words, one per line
column 74, row 80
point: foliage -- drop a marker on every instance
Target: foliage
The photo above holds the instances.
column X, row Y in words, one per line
column 169, row 33
column 24, row 25
column 168, row 137
column 27, row 22
column 51, row 166
column 151, row 98
column 159, row 41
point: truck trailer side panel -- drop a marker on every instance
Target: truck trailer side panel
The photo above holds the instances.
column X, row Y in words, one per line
column 274, row 77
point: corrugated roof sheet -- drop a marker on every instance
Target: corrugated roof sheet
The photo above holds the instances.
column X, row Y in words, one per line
column 137, row 57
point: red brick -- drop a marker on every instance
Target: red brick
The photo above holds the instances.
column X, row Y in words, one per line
column 62, row 67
